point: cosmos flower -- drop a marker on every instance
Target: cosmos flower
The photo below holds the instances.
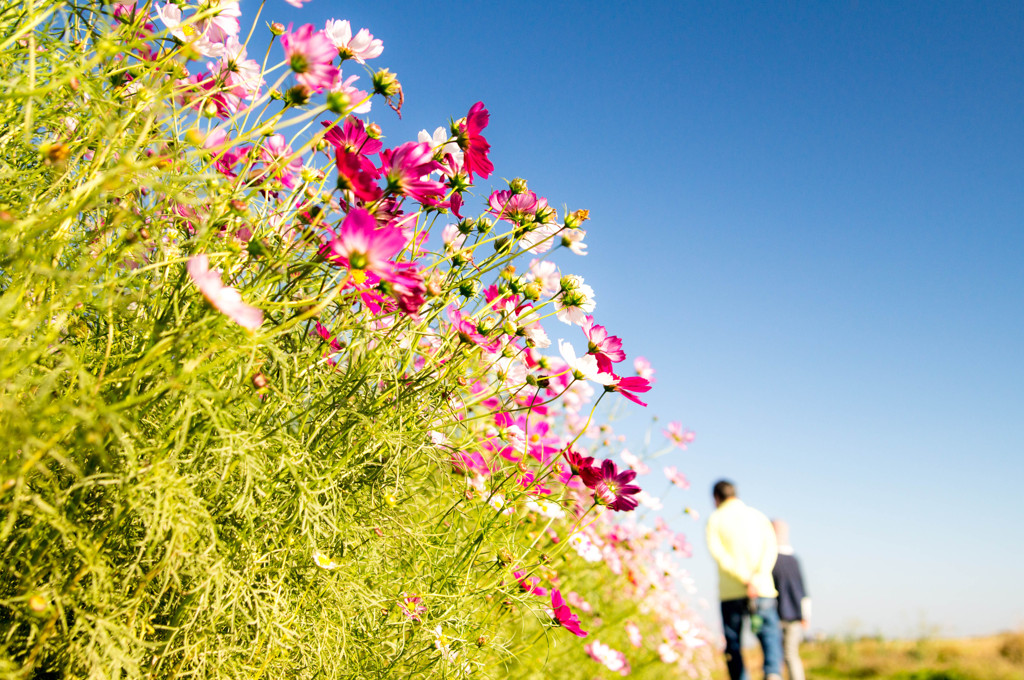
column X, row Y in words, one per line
column 361, row 46
column 473, row 143
column 606, row 348
column 225, row 298
column 611, row 487
column 563, row 616
column 310, row 54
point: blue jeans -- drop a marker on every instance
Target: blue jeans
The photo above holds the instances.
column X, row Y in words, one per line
column 770, row 635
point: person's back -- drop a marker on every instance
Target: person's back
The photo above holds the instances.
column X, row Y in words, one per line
column 794, row 605
column 742, row 541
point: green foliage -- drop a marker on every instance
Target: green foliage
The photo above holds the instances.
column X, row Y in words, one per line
column 167, row 477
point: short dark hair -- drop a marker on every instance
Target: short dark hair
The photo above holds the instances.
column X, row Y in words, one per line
column 723, row 490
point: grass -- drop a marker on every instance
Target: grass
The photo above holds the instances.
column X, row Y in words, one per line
column 997, row 657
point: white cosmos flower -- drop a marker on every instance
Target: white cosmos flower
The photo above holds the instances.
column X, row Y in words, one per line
column 583, row 368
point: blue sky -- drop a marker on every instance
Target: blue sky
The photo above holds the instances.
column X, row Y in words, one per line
column 809, row 218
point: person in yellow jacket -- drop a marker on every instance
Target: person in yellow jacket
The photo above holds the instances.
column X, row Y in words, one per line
column 742, row 541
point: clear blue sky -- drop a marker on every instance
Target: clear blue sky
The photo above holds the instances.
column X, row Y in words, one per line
column 810, row 218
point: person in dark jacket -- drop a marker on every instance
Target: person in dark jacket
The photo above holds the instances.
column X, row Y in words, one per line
column 794, row 604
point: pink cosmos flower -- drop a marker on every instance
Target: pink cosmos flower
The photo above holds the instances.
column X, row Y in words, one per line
column 411, row 607
column 606, row 348
column 513, row 207
column 677, row 478
column 613, row 660
column 574, row 301
column 352, row 137
column 243, row 77
column 406, row 168
column 310, row 54
column 473, row 143
column 563, row 616
column 643, row 369
column 359, row 244
column 530, row 584
column 361, row 46
column 611, row 487
column 225, row 298
column 628, row 386
column 677, row 435
column 468, row 331
column 297, row 4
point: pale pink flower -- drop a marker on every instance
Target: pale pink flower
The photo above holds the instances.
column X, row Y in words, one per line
column 361, row 46
column 296, row 3
column 634, row 462
column 613, row 660
column 677, row 435
column 310, row 54
column 573, row 240
column 677, row 478
column 452, row 237
column 547, row 274
column 574, row 301
column 540, row 237
column 633, row 632
column 277, row 155
column 224, row 298
column 643, row 369
column 357, row 101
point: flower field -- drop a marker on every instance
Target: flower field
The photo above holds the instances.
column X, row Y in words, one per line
column 283, row 397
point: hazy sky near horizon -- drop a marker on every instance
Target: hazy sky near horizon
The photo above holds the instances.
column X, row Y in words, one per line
column 810, row 218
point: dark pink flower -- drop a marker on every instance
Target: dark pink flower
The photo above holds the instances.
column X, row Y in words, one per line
column 577, row 463
column 611, row 487
column 352, row 137
column 473, row 143
column 627, row 386
column 353, row 175
column 310, row 54
column 530, row 584
column 563, row 616
column 406, row 169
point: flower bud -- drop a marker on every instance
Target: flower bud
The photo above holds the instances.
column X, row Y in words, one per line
column 277, row 28
column 259, row 381
column 469, row 288
column 386, row 83
column 297, row 96
column 373, row 131
column 484, row 225
column 338, row 101
column 518, row 186
column 502, row 245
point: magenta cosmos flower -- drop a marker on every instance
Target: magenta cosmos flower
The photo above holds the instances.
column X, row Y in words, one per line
column 359, row 244
column 310, row 54
column 531, row 584
column 224, row 298
column 563, row 616
column 628, row 386
column 406, row 169
column 473, row 144
column 611, row 487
